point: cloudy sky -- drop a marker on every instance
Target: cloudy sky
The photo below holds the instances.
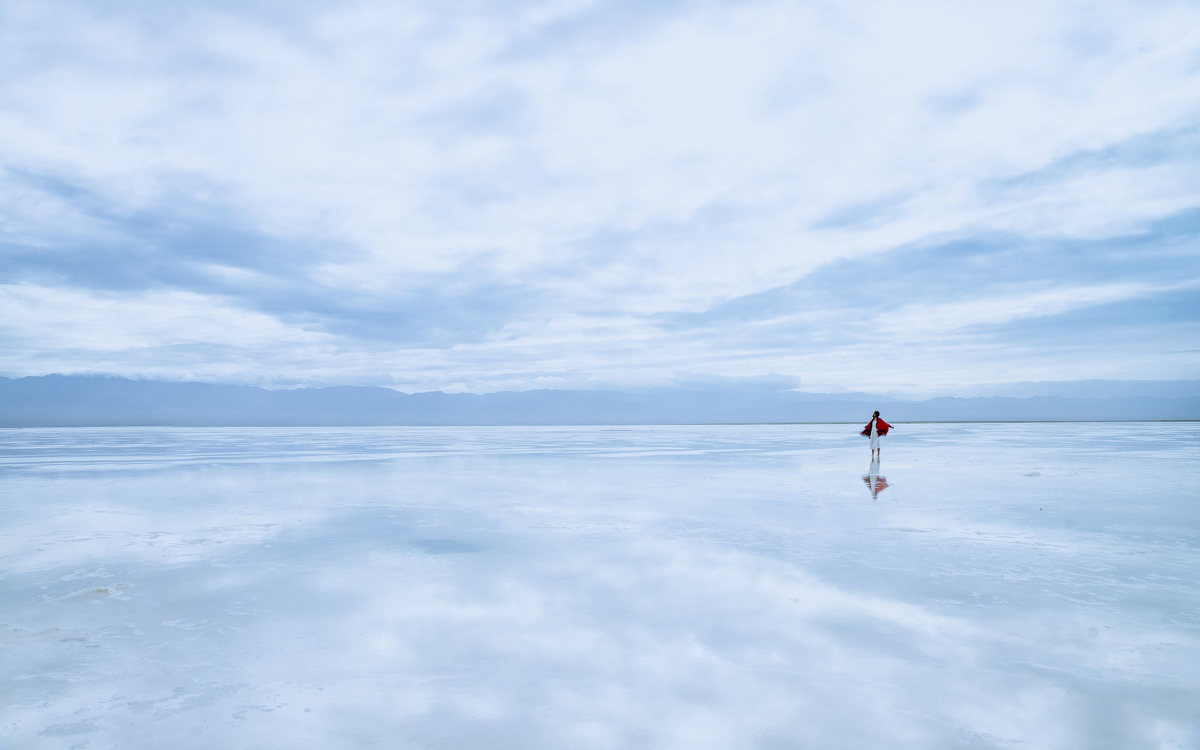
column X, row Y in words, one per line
column 477, row 196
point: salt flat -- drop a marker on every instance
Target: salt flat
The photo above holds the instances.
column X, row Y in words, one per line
column 993, row 585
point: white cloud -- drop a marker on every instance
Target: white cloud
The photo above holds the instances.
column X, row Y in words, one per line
column 665, row 163
column 74, row 319
column 922, row 321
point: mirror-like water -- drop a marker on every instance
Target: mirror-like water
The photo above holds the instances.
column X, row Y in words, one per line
column 991, row 585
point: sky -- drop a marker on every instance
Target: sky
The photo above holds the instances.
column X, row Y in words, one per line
column 468, row 196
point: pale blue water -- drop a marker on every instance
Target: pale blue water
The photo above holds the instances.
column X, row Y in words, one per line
column 1017, row 585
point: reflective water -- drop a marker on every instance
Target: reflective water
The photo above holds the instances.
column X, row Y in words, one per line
column 1031, row 585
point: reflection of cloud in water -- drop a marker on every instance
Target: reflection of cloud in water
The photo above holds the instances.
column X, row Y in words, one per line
column 625, row 645
column 573, row 599
column 445, row 546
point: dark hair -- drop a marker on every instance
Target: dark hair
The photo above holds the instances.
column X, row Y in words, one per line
column 876, row 414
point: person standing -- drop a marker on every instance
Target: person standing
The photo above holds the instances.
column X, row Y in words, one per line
column 875, row 429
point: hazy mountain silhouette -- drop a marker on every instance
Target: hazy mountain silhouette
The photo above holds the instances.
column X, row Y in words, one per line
column 59, row 400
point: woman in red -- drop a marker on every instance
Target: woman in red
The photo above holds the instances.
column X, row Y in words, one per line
column 875, row 429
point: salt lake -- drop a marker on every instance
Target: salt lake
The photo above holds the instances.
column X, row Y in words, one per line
column 748, row 586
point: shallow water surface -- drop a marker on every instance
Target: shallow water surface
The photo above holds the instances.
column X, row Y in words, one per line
column 759, row 586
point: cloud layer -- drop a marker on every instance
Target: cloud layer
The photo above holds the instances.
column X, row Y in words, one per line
column 483, row 196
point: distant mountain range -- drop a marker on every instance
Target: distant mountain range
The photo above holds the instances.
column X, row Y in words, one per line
column 61, row 401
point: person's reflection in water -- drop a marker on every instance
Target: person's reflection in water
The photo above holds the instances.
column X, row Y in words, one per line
column 875, row 483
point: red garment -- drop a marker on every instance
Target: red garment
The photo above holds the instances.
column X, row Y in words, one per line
column 881, row 427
